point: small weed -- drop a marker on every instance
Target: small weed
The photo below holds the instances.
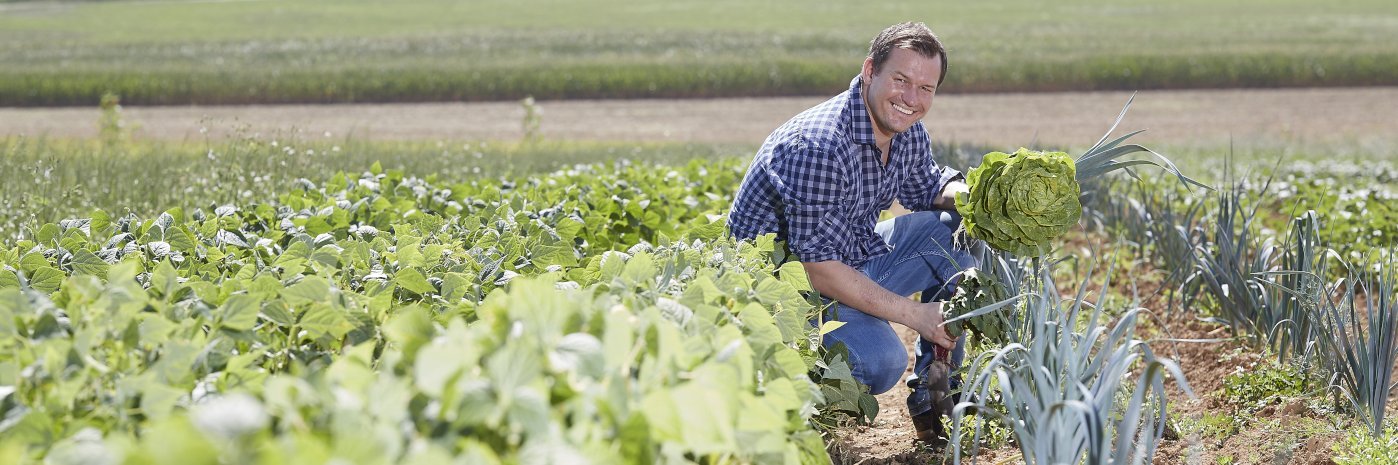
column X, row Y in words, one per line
column 1362, row 448
column 1252, row 390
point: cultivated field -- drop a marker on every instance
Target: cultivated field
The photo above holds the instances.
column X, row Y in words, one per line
column 469, row 284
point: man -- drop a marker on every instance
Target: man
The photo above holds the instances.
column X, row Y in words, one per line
column 820, row 182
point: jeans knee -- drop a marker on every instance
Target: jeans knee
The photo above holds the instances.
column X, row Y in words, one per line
column 924, row 220
column 881, row 369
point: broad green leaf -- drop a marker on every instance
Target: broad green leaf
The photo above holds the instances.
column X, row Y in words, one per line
column 46, row 279
column 163, row 223
column 640, row 270
column 772, row 291
column 206, row 291
column 761, row 330
column 618, row 339
column 154, row 329
column 758, row 414
column 783, row 395
column 706, row 417
column 32, row 261
column 410, row 328
column 326, row 320
column 239, row 312
column 445, row 357
column 226, row 237
column 317, row 225
column 412, row 280
column 176, row 441
column 124, row 272
column 180, row 239
column 164, row 280
column 101, row 221
column 794, row 274
column 610, row 265
column 176, row 360
column 556, row 253
column 455, row 286
column 569, row 228
column 868, row 406
column 47, row 234
column 327, row 256
column 579, row 352
column 8, row 279
column 85, row 262
column 701, row 290
column 277, row 312
column 709, row 231
column 73, row 239
column 514, row 365
column 790, row 361
column 831, row 325
column 310, row 289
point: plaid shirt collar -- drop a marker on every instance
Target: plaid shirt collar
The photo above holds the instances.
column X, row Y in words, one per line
column 861, row 130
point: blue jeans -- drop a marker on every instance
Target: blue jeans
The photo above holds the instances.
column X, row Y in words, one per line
column 923, row 260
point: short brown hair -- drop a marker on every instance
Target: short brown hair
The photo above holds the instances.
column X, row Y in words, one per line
column 912, row 36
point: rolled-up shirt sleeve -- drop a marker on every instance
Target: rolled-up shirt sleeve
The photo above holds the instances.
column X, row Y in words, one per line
column 811, row 184
column 924, row 185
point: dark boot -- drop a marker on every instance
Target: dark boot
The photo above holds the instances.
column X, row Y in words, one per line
column 930, row 400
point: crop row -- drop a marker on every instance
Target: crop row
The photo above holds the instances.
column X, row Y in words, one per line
column 382, row 319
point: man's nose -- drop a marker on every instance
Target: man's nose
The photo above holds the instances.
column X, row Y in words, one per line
column 910, row 99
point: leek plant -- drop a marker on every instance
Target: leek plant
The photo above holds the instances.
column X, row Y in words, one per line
column 1361, row 336
column 1069, row 395
column 1227, row 262
column 1293, row 293
column 1171, row 231
column 1265, row 292
column 1160, row 221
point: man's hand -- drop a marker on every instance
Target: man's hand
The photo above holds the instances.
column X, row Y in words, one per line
column 946, row 200
column 843, row 283
column 933, row 330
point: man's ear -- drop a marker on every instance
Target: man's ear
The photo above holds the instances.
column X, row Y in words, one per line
column 868, row 71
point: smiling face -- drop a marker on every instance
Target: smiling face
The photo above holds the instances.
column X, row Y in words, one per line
column 899, row 94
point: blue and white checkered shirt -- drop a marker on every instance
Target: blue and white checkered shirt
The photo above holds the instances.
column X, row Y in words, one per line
column 818, row 182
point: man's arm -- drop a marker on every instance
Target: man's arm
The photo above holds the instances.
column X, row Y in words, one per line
column 841, row 282
column 947, row 199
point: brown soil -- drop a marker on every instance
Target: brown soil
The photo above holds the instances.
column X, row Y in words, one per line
column 1205, row 117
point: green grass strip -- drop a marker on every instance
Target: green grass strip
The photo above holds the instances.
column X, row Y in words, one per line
column 319, row 51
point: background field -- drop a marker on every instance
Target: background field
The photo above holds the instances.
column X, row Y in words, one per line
column 321, row 51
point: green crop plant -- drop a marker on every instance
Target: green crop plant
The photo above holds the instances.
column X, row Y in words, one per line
column 1019, row 203
column 1069, row 396
column 973, row 308
column 386, row 318
column 71, row 178
column 1293, row 293
column 1228, row 261
column 1360, row 336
